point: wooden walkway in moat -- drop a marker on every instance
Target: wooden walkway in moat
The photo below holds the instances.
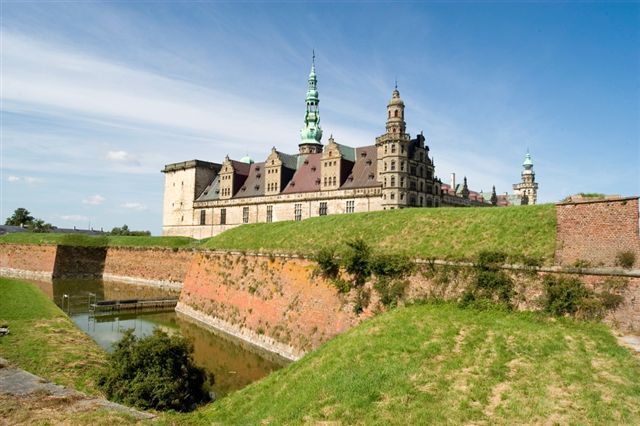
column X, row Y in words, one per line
column 110, row 306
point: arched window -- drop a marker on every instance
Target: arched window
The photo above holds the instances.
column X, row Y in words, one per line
column 393, row 181
column 393, row 147
column 389, row 114
column 395, row 114
column 385, row 166
column 393, row 165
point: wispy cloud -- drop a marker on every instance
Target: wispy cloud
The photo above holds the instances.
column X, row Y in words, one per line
column 29, row 180
column 121, row 157
column 134, row 206
column 13, row 179
column 94, row 200
column 74, row 218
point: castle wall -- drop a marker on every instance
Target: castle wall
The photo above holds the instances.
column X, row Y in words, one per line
column 27, row 261
column 597, row 231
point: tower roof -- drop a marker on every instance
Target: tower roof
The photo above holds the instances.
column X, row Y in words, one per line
column 528, row 163
column 311, row 133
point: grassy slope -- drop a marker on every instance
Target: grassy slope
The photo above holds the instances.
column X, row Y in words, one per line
column 453, row 233
column 44, row 341
column 97, row 241
column 445, row 233
column 435, row 364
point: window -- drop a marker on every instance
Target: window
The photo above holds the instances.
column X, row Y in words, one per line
column 223, row 216
column 402, row 182
column 395, row 113
column 393, row 196
column 385, row 166
column 203, row 216
column 350, row 206
column 393, row 181
column 385, row 151
column 393, row 165
column 297, row 211
column 245, row 215
column 393, row 147
column 402, row 166
column 269, row 214
column 323, row 208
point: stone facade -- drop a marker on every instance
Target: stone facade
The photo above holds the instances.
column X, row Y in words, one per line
column 202, row 199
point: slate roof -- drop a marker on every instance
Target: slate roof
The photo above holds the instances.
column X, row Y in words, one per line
column 254, row 184
column 364, row 171
column 289, row 161
column 347, row 152
column 307, row 177
column 212, row 191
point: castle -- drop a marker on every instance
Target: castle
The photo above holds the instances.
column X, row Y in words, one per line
column 202, row 199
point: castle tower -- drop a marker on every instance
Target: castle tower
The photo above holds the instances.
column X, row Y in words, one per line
column 392, row 147
column 311, row 133
column 527, row 189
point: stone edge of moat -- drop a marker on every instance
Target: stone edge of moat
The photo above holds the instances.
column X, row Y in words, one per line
column 245, row 334
column 25, row 273
column 162, row 284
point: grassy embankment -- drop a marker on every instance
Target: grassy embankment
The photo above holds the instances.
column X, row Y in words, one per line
column 97, row 240
column 45, row 342
column 438, row 363
column 445, row 233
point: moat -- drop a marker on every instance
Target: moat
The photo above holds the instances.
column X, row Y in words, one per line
column 233, row 363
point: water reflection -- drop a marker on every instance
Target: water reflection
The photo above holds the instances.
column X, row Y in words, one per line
column 233, row 363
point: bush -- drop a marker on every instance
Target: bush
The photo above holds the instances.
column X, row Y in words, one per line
column 494, row 285
column 490, row 259
column 357, row 261
column 626, row 259
column 563, row 295
column 390, row 290
column 154, row 372
column 327, row 262
column 391, row 265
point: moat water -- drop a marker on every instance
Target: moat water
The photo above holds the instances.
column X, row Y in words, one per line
column 233, row 363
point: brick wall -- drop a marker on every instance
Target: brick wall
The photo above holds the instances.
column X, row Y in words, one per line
column 148, row 263
column 28, row 257
column 596, row 231
column 279, row 298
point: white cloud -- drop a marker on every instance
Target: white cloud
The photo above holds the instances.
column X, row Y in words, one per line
column 121, row 157
column 33, row 180
column 74, row 218
column 134, row 206
column 13, row 179
column 94, row 200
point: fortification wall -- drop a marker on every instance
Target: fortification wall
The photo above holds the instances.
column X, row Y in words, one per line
column 27, row 261
column 147, row 265
column 277, row 303
column 282, row 305
column 596, row 231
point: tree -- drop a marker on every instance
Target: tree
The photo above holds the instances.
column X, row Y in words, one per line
column 39, row 226
column 156, row 371
column 20, row 217
column 125, row 231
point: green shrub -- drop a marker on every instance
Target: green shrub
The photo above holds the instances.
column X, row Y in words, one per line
column 327, row 262
column 391, row 265
column 390, row 290
column 357, row 261
column 581, row 263
column 563, row 295
column 363, row 296
column 494, row 285
column 626, row 259
column 156, row 372
column 490, row 259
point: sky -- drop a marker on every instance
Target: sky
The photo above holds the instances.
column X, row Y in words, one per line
column 96, row 97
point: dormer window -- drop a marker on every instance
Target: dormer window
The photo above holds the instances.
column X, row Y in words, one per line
column 371, row 176
column 369, row 162
column 306, row 162
column 363, row 154
column 244, row 188
column 313, row 168
column 257, row 187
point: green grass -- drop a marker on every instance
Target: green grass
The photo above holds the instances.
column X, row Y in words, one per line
column 44, row 341
column 97, row 240
column 437, row 364
column 444, row 233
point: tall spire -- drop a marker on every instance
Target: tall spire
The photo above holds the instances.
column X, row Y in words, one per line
column 311, row 133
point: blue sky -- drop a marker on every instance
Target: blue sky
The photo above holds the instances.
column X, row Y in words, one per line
column 97, row 97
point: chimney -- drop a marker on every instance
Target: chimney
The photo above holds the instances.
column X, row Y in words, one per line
column 453, row 182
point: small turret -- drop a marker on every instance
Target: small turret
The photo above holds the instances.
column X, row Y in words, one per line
column 494, row 196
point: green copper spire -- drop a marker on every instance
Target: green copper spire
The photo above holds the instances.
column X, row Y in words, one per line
column 528, row 163
column 312, row 133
